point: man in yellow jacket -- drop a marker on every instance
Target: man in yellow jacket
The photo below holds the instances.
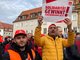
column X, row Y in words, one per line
column 52, row 45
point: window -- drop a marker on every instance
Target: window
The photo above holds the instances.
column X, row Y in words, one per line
column 23, row 17
column 39, row 13
column 33, row 15
column 26, row 31
column 9, row 33
column 75, row 29
column 65, row 29
column 45, row 23
column 73, row 7
column 22, row 24
column 17, row 25
column 10, row 29
column 74, row 17
column 44, row 30
column 20, row 17
column 5, row 29
column 31, row 31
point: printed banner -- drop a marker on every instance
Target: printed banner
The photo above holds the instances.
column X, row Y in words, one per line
column 56, row 10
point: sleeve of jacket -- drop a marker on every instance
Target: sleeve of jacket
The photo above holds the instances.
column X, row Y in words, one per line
column 70, row 40
column 37, row 37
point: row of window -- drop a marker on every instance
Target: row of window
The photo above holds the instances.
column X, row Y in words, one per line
column 8, row 30
column 6, row 33
column 74, row 29
column 32, row 16
column 29, row 31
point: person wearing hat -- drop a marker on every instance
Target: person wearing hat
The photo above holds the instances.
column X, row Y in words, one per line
column 19, row 49
column 52, row 45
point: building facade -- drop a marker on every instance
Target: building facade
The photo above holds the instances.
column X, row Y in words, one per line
column 6, row 29
column 77, row 8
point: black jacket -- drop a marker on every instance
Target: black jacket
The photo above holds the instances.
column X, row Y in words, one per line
column 1, row 50
column 71, row 53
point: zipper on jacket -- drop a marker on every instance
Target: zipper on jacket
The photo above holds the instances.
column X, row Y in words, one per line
column 56, row 50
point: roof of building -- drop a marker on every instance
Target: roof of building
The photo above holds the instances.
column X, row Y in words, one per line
column 28, row 12
column 31, row 11
column 5, row 25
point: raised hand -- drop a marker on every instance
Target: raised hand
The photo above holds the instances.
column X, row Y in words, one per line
column 68, row 22
column 40, row 18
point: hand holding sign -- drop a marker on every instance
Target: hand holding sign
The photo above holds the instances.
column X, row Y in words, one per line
column 68, row 22
column 40, row 18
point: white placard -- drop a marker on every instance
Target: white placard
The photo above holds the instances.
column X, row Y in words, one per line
column 56, row 10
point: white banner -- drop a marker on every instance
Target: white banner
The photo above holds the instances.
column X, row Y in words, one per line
column 56, row 10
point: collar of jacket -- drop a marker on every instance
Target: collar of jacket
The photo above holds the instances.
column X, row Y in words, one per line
column 49, row 37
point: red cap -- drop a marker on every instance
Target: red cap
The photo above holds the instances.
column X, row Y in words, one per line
column 1, row 40
column 20, row 32
column 51, row 25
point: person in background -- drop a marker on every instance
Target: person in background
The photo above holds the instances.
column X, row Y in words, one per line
column 34, row 46
column 7, row 39
column 7, row 46
column 1, row 45
column 30, row 40
column 73, row 52
column 77, row 36
column 52, row 45
column 60, row 31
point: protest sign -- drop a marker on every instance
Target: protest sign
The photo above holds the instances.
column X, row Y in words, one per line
column 56, row 10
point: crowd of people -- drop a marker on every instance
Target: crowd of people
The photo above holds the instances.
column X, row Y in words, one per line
column 52, row 46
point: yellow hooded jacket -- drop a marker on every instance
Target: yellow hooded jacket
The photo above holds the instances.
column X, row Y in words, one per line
column 52, row 49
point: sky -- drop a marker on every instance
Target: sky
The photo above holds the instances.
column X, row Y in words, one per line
column 11, row 9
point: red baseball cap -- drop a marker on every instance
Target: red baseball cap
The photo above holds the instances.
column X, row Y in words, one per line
column 17, row 32
column 51, row 25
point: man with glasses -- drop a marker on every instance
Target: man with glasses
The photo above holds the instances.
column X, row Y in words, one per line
column 52, row 45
